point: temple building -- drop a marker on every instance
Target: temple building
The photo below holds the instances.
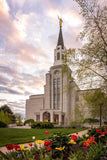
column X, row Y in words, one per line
column 58, row 101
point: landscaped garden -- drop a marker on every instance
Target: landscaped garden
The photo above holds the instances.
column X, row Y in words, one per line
column 60, row 146
column 18, row 136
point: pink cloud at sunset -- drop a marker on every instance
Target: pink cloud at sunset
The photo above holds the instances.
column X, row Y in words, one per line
column 28, row 36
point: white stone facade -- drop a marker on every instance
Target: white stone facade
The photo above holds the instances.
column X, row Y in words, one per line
column 60, row 95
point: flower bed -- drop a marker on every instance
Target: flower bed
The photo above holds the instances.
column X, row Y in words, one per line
column 92, row 146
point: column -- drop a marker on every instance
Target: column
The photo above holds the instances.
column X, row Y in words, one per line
column 60, row 119
column 51, row 117
column 41, row 117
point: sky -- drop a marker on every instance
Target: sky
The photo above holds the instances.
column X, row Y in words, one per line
column 28, row 36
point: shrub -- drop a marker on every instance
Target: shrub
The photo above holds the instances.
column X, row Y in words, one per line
column 19, row 123
column 42, row 125
column 3, row 125
column 90, row 120
column 29, row 121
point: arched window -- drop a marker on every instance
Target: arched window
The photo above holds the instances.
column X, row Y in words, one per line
column 58, row 56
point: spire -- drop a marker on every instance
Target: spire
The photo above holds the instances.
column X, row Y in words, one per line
column 60, row 38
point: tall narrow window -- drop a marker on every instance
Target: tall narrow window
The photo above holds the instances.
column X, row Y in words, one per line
column 54, row 93
column 58, row 56
column 58, row 93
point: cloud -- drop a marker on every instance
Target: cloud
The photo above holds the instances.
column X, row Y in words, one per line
column 8, row 90
column 28, row 35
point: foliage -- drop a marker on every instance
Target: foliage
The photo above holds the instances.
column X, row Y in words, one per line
column 76, row 156
column 95, row 100
column 5, row 117
column 90, row 120
column 79, row 114
column 3, row 125
column 28, row 121
column 7, row 111
column 96, row 152
column 19, row 120
column 6, row 108
column 59, row 140
column 90, row 61
column 42, row 125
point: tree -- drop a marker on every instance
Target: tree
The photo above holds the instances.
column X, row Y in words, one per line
column 97, row 103
column 18, row 119
column 5, row 108
column 91, row 60
column 4, row 117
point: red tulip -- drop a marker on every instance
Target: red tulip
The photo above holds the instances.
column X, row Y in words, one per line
column 47, row 143
column 17, row 147
column 48, row 149
column 98, row 131
column 92, row 138
column 74, row 137
column 10, row 146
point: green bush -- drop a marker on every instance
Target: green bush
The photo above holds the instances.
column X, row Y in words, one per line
column 19, row 123
column 3, row 125
column 90, row 120
column 29, row 121
column 42, row 125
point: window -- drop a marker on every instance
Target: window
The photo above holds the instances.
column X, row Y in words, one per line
column 38, row 118
column 56, row 93
column 56, row 72
column 54, row 83
column 58, row 56
column 58, row 100
column 58, row 82
column 54, row 101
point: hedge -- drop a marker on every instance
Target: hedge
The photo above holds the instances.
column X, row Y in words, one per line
column 42, row 125
column 3, row 125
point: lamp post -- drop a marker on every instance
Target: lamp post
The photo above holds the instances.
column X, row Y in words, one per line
column 100, row 114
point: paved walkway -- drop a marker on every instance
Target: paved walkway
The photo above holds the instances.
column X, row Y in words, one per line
column 4, row 149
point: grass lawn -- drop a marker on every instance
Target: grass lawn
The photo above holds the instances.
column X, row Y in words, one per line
column 18, row 136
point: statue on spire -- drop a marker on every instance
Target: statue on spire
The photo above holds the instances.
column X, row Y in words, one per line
column 60, row 21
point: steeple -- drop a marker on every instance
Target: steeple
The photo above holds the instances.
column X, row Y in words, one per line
column 60, row 38
column 59, row 51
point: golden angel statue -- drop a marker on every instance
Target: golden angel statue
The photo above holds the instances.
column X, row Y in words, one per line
column 60, row 21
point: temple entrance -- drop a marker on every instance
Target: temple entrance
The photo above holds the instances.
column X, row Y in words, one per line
column 46, row 117
column 56, row 119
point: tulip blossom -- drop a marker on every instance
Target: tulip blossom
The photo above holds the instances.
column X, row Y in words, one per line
column 17, row 147
column 48, row 149
column 47, row 143
column 60, row 148
column 33, row 137
column 39, row 141
column 98, row 131
column 46, row 132
column 30, row 144
column 74, row 137
column 72, row 141
column 10, row 146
